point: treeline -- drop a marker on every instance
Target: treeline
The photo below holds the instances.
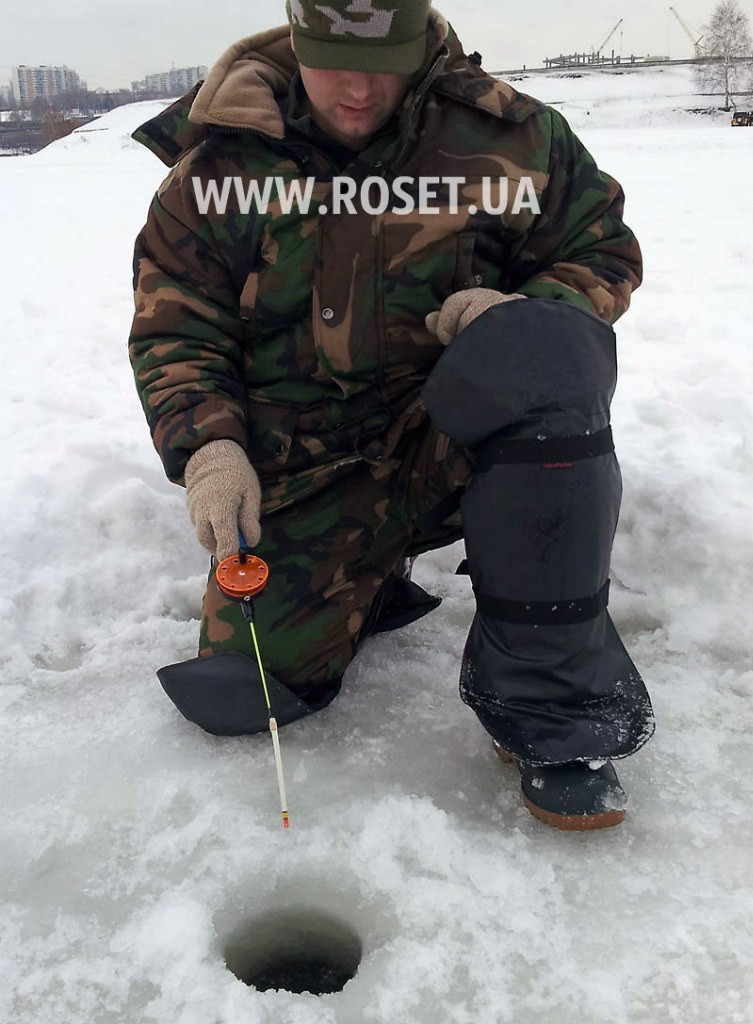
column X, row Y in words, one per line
column 29, row 128
column 81, row 103
column 18, row 138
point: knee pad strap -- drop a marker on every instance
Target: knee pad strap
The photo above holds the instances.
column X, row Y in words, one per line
column 551, row 453
column 543, row 613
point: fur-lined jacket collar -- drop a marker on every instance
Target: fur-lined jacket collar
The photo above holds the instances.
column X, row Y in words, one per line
column 242, row 90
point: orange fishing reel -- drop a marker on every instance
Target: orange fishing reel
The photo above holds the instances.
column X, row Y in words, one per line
column 242, row 576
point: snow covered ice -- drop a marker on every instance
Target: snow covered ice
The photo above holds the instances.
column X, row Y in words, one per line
column 135, row 848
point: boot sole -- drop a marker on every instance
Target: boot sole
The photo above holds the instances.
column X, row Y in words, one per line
column 564, row 822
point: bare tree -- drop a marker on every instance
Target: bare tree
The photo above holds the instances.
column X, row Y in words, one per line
column 727, row 39
column 56, row 125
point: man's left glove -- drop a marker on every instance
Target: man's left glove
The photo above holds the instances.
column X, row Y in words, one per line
column 460, row 309
column 223, row 493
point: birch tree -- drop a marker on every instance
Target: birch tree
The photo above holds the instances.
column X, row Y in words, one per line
column 727, row 39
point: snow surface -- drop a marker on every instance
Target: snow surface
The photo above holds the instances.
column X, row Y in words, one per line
column 135, row 847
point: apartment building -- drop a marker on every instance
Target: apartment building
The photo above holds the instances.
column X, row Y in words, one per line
column 172, row 83
column 44, row 82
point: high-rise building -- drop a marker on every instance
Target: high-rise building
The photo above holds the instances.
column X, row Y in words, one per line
column 158, row 83
column 172, row 83
column 186, row 78
column 31, row 83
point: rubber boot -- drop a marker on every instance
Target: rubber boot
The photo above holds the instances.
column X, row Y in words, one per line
column 577, row 797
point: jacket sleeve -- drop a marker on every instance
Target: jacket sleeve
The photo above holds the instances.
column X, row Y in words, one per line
column 579, row 249
column 186, row 341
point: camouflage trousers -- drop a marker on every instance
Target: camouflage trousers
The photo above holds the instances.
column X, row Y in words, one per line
column 330, row 553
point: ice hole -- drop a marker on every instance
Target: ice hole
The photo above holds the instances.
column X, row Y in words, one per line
column 296, row 949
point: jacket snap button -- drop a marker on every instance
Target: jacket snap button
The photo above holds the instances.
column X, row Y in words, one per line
column 478, row 279
column 327, row 313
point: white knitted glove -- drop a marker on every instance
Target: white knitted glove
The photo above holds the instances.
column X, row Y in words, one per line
column 460, row 309
column 223, row 493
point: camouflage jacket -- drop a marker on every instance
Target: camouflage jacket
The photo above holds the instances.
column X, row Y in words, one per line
column 301, row 334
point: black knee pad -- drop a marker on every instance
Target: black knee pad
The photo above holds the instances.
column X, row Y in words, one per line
column 527, row 388
column 527, row 369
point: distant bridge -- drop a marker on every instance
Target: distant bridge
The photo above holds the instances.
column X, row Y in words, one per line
column 618, row 62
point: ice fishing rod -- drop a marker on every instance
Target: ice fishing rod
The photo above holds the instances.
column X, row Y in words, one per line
column 243, row 577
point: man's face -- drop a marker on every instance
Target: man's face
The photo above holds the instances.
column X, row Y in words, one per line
column 351, row 106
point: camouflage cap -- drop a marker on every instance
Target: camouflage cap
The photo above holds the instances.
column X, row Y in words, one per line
column 387, row 36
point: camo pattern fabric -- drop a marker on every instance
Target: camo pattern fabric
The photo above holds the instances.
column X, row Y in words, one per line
column 300, row 334
column 330, row 553
column 366, row 19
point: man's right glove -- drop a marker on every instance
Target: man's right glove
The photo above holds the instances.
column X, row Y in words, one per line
column 223, row 493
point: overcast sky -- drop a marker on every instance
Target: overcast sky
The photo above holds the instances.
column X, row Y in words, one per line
column 112, row 43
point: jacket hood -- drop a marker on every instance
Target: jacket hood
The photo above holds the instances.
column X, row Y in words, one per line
column 242, row 90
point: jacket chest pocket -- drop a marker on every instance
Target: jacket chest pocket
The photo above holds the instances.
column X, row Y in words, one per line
column 275, row 307
column 277, row 292
column 450, row 245
column 427, row 257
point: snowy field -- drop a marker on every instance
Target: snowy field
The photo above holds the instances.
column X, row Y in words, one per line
column 626, row 97
column 139, row 853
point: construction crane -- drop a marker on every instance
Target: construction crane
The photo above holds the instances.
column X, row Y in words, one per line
column 600, row 48
column 699, row 50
